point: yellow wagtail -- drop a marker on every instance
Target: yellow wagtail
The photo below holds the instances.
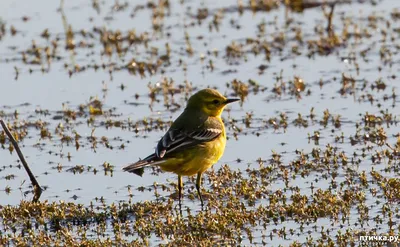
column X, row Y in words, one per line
column 194, row 142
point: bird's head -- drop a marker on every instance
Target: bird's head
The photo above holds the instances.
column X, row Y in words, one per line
column 209, row 101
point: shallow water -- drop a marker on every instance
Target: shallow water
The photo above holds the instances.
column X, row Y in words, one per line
column 55, row 91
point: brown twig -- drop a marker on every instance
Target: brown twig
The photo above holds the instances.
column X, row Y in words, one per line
column 392, row 148
column 329, row 28
column 37, row 190
column 67, row 33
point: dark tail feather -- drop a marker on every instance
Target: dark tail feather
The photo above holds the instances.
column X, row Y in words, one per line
column 138, row 167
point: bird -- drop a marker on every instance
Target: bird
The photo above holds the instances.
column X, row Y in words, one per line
column 194, row 142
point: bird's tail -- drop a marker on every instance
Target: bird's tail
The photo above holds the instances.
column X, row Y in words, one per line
column 138, row 167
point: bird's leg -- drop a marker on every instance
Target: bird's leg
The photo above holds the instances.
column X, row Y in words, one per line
column 198, row 187
column 180, row 186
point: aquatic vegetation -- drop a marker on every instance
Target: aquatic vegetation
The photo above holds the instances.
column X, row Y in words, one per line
column 313, row 155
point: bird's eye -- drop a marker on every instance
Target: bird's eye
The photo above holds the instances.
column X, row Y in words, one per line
column 215, row 101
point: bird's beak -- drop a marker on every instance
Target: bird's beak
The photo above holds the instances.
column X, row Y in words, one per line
column 228, row 101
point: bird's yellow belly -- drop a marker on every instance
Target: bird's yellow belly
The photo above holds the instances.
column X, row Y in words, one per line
column 202, row 157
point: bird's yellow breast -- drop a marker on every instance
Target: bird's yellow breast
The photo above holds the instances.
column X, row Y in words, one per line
column 197, row 159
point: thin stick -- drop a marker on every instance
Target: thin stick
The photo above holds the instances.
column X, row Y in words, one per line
column 65, row 25
column 36, row 187
column 329, row 28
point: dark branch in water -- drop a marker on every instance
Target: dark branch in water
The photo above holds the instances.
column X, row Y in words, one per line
column 329, row 28
column 37, row 190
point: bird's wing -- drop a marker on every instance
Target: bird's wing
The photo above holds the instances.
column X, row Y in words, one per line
column 184, row 133
column 180, row 139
